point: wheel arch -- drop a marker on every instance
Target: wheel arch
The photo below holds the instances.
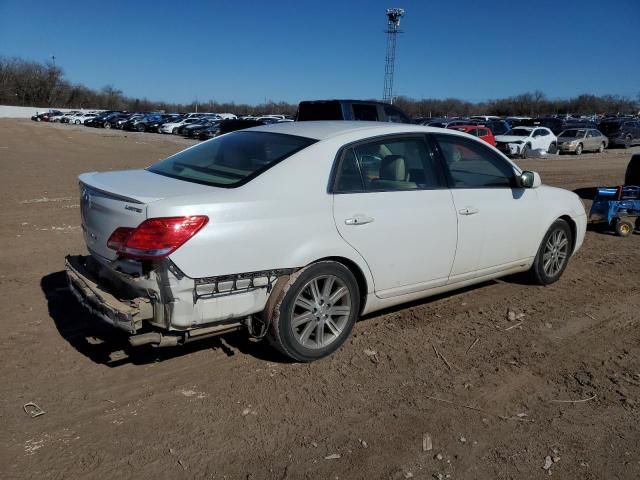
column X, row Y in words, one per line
column 574, row 230
column 357, row 272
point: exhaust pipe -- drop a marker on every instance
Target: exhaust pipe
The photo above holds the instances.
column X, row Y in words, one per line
column 157, row 339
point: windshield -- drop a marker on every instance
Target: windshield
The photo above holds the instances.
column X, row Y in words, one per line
column 232, row 159
column 573, row 133
column 519, row 132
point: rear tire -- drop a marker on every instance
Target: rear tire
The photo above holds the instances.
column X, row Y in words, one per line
column 107, row 125
column 315, row 311
column 624, row 227
column 553, row 148
column 627, row 141
column 553, row 255
column 601, row 149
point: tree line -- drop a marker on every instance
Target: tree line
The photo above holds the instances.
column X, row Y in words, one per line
column 35, row 84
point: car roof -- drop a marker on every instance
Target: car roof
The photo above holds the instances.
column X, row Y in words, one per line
column 322, row 130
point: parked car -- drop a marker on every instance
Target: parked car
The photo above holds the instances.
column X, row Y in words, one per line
column 44, row 117
column 111, row 121
column 172, row 127
column 182, row 129
column 497, row 127
column 119, row 123
column 67, row 116
column 479, row 131
column 559, row 124
column 578, row 140
column 98, row 120
column 621, row 132
column 194, row 129
column 227, row 126
column 80, row 118
column 521, row 140
column 139, row 124
column 294, row 230
column 350, row 110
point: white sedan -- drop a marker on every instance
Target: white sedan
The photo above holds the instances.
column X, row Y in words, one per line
column 520, row 141
column 294, row 230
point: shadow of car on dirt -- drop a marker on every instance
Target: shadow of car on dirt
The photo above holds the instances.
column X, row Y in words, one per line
column 106, row 345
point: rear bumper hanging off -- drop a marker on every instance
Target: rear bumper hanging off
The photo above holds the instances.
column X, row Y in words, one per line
column 126, row 315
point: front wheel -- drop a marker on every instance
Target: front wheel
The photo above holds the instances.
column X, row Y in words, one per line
column 553, row 148
column 316, row 311
column 107, row 125
column 627, row 142
column 77, row 122
column 526, row 151
column 553, row 254
column 579, row 149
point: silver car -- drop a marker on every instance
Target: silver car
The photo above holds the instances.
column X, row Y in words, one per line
column 578, row 140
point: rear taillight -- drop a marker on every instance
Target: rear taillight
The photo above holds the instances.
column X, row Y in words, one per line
column 155, row 237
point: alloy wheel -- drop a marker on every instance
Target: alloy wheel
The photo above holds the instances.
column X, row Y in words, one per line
column 555, row 253
column 321, row 311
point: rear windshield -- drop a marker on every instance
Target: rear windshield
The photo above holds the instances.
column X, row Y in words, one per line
column 230, row 160
column 319, row 111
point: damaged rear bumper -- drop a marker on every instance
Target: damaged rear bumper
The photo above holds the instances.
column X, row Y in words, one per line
column 126, row 315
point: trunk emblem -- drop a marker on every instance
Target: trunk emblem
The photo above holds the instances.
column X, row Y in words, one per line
column 133, row 209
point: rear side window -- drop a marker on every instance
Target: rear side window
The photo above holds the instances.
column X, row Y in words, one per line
column 472, row 165
column 397, row 164
column 231, row 160
column 483, row 132
column 366, row 112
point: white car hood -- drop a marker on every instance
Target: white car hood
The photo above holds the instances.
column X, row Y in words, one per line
column 510, row 138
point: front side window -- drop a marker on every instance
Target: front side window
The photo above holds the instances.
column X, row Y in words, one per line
column 470, row 164
column 230, row 160
column 398, row 164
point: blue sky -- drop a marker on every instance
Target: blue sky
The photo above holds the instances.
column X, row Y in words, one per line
column 251, row 50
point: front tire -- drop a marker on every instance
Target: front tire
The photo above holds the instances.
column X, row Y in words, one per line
column 316, row 311
column 579, row 149
column 526, row 151
column 107, row 125
column 553, row 254
column 627, row 142
column 553, row 148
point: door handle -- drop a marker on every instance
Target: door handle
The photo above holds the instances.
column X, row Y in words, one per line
column 468, row 211
column 358, row 220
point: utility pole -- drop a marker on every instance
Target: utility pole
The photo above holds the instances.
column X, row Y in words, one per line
column 393, row 25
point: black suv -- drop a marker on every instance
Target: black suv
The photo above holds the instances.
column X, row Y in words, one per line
column 622, row 132
column 350, row 110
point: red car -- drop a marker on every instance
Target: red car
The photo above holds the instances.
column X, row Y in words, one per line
column 479, row 131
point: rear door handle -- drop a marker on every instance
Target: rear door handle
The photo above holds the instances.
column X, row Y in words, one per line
column 358, row 220
column 468, row 211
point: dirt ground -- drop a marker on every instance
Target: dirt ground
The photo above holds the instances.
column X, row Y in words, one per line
column 563, row 381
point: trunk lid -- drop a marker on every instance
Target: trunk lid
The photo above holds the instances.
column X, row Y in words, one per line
column 119, row 199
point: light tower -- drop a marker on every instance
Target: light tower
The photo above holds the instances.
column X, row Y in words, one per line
column 393, row 25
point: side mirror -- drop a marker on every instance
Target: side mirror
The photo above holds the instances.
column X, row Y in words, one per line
column 529, row 179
